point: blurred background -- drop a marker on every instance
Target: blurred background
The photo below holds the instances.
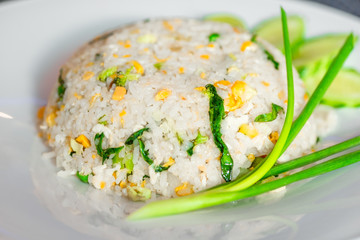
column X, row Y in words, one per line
column 350, row 6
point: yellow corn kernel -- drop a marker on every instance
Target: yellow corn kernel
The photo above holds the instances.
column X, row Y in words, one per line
column 222, row 82
column 112, row 119
column 78, row 96
column 211, row 45
column 93, row 156
column 122, row 184
column 83, row 141
column 202, row 75
column 102, row 64
column 122, row 113
column 127, row 45
column 183, row 98
column 40, row 112
column 132, row 184
column 286, row 101
column 126, row 56
column 114, row 174
column 181, row 70
column 169, row 163
column 245, row 45
column 89, row 64
column 102, row 184
column 162, row 94
column 248, row 130
column 306, row 97
column 184, row 189
column 238, row 89
column 251, row 157
column 168, row 26
column 266, row 84
column 138, row 67
column 274, row 136
column 119, row 93
column 50, row 119
column 120, row 42
column 93, row 98
column 205, row 56
column 143, row 183
column 200, row 89
column 88, row 75
column 115, row 55
column 164, row 71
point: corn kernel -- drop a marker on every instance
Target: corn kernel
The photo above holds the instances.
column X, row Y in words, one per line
column 78, row 96
column 168, row 26
column 181, row 70
column 266, row 84
column 162, row 94
column 245, row 45
column 184, row 189
column 169, row 163
column 138, row 67
column 122, row 184
column 102, row 184
column 205, row 56
column 115, row 55
column 83, row 140
column 119, row 93
column 251, row 157
column 273, row 137
column 248, row 130
column 126, row 56
column 40, row 113
column 203, row 75
column 88, row 75
column 222, row 82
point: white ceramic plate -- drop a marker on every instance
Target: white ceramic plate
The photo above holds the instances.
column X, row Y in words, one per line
column 35, row 39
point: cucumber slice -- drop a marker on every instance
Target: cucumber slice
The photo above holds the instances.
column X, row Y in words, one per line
column 271, row 30
column 226, row 18
column 343, row 92
column 315, row 49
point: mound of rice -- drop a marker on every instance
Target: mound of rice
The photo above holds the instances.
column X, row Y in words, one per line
column 164, row 67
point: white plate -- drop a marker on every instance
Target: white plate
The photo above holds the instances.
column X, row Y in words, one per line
column 37, row 37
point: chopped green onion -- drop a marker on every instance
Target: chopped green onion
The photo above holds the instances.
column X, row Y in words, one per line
column 213, row 37
column 105, row 153
column 216, row 114
column 268, row 117
column 158, row 65
column 135, row 136
column 271, row 58
column 102, row 122
column 61, row 89
column 83, row 178
column 198, row 140
column 137, row 193
column 107, row 73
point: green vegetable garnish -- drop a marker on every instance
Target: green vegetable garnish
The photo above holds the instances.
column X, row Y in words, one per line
column 138, row 193
column 145, row 154
column 268, row 117
column 123, row 77
column 105, row 153
column 213, row 37
column 216, row 114
column 244, row 186
column 271, row 58
column 102, row 122
column 179, row 138
column 198, row 140
column 107, row 73
column 145, row 176
column 83, row 178
column 158, row 65
column 61, row 89
column 135, row 136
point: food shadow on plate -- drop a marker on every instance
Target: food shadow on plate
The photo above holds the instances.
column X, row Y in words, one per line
column 100, row 214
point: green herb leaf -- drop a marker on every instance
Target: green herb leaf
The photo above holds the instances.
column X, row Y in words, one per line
column 268, row 117
column 135, row 136
column 83, row 178
column 179, row 138
column 216, row 114
column 105, row 153
column 102, row 122
column 145, row 153
column 61, row 88
column 198, row 140
column 158, row 65
column 271, row 58
column 107, row 73
column 123, row 77
column 213, row 37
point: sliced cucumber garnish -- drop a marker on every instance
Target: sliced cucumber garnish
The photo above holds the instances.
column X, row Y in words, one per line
column 343, row 92
column 226, row 18
column 271, row 30
column 318, row 48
